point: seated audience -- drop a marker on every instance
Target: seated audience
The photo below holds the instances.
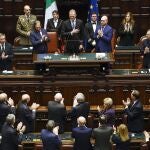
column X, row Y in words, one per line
column 126, row 32
column 6, row 107
column 57, row 111
column 108, row 111
column 134, row 112
column 11, row 137
column 102, row 135
column 49, row 136
column 26, row 114
column 6, row 53
column 80, row 108
column 82, row 135
column 121, row 137
column 24, row 26
column 145, row 49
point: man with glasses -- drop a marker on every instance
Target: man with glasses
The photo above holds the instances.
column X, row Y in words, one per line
column 25, row 26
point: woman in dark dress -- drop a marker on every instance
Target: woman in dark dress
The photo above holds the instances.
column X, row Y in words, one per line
column 126, row 32
column 121, row 137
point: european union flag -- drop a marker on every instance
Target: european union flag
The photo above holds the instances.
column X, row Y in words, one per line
column 93, row 8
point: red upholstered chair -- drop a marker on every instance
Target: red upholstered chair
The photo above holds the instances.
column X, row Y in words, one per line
column 53, row 44
column 67, row 147
column 38, row 147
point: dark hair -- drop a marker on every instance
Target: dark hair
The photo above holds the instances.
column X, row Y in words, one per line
column 36, row 22
column 50, row 125
column 55, row 11
column 102, row 119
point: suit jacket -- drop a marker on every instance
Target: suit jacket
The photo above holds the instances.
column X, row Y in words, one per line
column 25, row 115
column 51, row 27
column 82, row 137
column 82, row 109
column 38, row 46
column 102, row 138
column 103, row 44
column 6, row 64
column 72, row 41
column 50, row 140
column 10, row 138
column 4, row 111
column 90, row 36
column 146, row 61
column 126, row 38
column 135, row 117
column 57, row 112
column 23, row 27
column 110, row 113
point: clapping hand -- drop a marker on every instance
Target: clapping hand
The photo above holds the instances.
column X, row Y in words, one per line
column 10, row 102
column 126, row 103
column 98, row 108
column 34, row 106
column 20, row 127
column 55, row 130
column 75, row 31
column 146, row 50
column 75, row 103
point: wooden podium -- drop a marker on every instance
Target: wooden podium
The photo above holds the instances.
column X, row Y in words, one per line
column 53, row 44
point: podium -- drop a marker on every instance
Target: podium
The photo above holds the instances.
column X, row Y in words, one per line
column 53, row 44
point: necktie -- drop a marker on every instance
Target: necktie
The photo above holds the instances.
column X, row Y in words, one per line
column 3, row 49
column 73, row 25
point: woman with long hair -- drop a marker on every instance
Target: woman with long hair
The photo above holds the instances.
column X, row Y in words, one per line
column 121, row 137
column 126, row 32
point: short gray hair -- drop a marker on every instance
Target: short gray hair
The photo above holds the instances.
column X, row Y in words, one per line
column 80, row 97
column 50, row 125
column 10, row 119
column 108, row 101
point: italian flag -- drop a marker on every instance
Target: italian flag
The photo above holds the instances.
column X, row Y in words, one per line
column 50, row 7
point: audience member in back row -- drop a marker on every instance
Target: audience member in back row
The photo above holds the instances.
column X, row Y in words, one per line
column 102, row 135
column 57, row 111
column 121, row 137
column 82, row 135
column 134, row 112
column 6, row 53
column 80, row 108
column 11, row 137
column 146, row 51
column 24, row 26
column 126, row 32
column 6, row 107
column 108, row 111
column 26, row 114
column 49, row 136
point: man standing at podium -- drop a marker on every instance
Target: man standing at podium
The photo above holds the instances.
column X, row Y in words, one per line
column 73, row 33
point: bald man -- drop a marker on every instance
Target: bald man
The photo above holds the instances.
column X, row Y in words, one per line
column 26, row 114
column 25, row 26
column 73, row 33
column 57, row 111
column 146, row 51
column 82, row 135
column 6, row 107
column 104, row 35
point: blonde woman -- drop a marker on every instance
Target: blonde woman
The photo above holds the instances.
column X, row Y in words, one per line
column 126, row 32
column 121, row 137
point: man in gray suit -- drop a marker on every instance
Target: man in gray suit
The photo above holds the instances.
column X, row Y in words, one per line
column 102, row 135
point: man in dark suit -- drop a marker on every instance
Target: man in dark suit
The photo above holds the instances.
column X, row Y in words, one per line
column 90, row 36
column 73, row 33
column 57, row 111
column 102, row 134
column 146, row 51
column 6, row 107
column 82, row 135
column 104, row 35
column 54, row 24
column 50, row 138
column 25, row 114
column 80, row 108
column 6, row 53
column 134, row 112
column 39, row 39
column 11, row 137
